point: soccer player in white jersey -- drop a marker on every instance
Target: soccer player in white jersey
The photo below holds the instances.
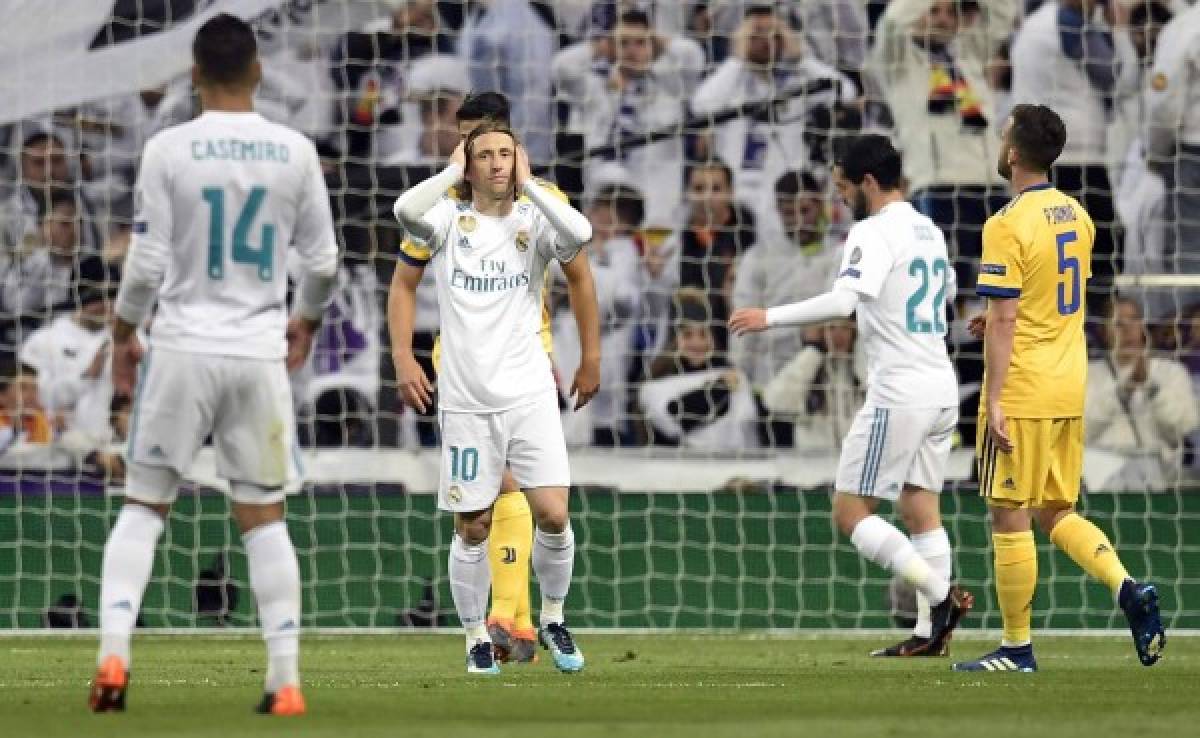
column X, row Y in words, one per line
column 496, row 392
column 896, row 276
column 221, row 201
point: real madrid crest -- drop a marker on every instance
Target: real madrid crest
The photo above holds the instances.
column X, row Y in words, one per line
column 522, row 240
column 466, row 223
column 454, row 494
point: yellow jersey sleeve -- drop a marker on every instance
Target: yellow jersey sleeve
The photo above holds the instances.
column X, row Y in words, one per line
column 1001, row 271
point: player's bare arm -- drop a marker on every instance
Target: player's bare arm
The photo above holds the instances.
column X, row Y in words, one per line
column 415, row 388
column 1001, row 324
column 581, row 291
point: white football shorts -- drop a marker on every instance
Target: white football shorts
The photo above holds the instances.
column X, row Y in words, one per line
column 245, row 404
column 888, row 448
column 476, row 446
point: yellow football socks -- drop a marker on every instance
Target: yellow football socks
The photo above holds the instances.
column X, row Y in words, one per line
column 509, row 548
column 1016, row 578
column 1089, row 547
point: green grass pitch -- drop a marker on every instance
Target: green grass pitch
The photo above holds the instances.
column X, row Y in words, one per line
column 665, row 686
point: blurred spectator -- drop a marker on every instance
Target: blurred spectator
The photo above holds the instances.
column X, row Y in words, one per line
column 616, row 212
column 693, row 398
column 508, row 47
column 370, row 71
column 338, row 387
column 1139, row 405
column 438, row 84
column 1174, row 142
column 837, row 32
column 1063, row 56
column 930, row 58
column 790, row 265
column 641, row 88
column 1141, row 195
column 703, row 253
column 22, row 418
column 42, row 275
column 821, row 388
column 674, row 55
column 72, row 361
column 43, row 167
column 769, row 63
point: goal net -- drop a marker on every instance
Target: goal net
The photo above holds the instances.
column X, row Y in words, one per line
column 698, row 138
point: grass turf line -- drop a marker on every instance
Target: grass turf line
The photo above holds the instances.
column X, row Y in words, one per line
column 633, row 686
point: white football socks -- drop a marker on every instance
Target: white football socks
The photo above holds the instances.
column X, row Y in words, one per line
column 124, row 573
column 881, row 542
column 275, row 579
column 934, row 547
column 553, row 561
column 470, row 582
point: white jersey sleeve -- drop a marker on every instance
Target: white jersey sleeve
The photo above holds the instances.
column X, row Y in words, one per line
column 440, row 217
column 314, row 238
column 149, row 252
column 315, row 243
column 866, row 262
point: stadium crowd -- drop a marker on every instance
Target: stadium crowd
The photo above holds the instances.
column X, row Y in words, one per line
column 698, row 137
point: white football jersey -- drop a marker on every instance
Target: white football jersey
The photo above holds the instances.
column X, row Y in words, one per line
column 489, row 273
column 896, row 260
column 219, row 201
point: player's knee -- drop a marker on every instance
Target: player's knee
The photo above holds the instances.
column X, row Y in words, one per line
column 1048, row 517
column 554, row 520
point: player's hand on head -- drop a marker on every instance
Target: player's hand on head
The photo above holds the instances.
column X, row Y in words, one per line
column 125, row 357
column 459, row 155
column 522, row 172
column 586, row 383
column 415, row 388
column 299, row 340
column 748, row 320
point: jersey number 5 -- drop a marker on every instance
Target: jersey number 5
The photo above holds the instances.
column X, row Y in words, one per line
column 262, row 257
column 919, row 268
column 1068, row 264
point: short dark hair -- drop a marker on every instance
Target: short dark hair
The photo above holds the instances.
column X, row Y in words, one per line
column 626, row 202
column 485, row 106
column 1149, row 12
column 634, row 17
column 794, row 182
column 713, row 163
column 1038, row 135
column 57, row 196
column 225, row 49
column 874, row 155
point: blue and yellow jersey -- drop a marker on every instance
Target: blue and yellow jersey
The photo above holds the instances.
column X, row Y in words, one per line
column 1038, row 249
column 418, row 254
